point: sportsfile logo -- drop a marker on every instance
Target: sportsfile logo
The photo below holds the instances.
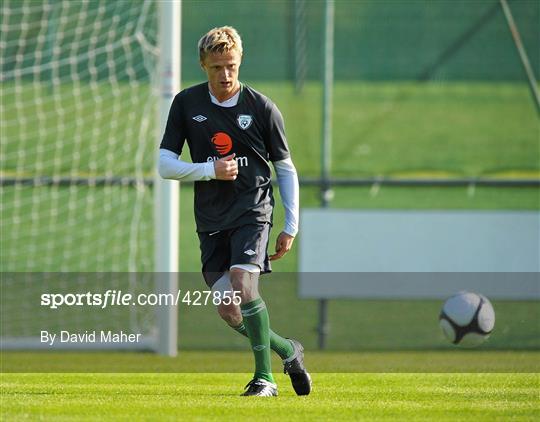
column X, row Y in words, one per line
column 223, row 144
column 120, row 298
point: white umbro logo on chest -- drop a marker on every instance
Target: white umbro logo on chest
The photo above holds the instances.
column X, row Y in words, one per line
column 199, row 118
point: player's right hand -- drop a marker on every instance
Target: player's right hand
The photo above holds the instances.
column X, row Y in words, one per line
column 226, row 168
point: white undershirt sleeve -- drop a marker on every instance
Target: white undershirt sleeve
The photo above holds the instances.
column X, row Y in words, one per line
column 290, row 193
column 170, row 167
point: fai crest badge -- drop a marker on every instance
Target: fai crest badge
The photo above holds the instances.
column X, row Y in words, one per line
column 244, row 121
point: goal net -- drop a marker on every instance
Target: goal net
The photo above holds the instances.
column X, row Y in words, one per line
column 79, row 124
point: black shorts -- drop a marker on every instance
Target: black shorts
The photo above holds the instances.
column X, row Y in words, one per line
column 246, row 244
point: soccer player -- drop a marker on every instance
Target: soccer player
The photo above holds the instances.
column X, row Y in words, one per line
column 233, row 133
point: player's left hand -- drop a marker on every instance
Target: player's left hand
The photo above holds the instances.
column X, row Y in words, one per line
column 283, row 245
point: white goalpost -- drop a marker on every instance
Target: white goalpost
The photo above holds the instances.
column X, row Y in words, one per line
column 167, row 197
column 85, row 91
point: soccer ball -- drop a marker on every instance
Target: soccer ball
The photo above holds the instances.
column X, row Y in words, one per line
column 467, row 319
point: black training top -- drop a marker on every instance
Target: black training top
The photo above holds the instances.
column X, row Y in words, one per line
column 253, row 130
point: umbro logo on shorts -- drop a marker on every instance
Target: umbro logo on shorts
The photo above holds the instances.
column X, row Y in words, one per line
column 199, row 118
column 250, row 252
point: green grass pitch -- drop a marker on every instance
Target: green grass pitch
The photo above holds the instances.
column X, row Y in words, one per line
column 215, row 397
column 400, row 395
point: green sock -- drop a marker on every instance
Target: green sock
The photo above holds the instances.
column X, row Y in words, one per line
column 278, row 344
column 257, row 324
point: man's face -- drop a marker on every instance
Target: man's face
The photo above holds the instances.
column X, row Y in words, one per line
column 222, row 73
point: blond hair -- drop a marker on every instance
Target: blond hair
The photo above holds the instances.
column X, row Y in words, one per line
column 220, row 40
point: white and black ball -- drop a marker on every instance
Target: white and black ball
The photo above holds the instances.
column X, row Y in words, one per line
column 467, row 319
